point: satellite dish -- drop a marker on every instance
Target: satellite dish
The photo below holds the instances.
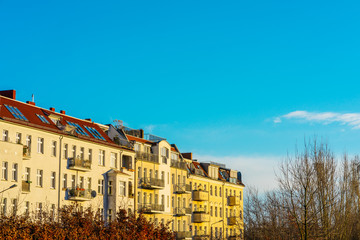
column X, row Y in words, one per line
column 93, row 193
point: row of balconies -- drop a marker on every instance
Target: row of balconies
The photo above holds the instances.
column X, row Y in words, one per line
column 178, row 164
column 149, row 157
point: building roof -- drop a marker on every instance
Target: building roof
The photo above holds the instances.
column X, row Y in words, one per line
column 29, row 115
column 132, row 138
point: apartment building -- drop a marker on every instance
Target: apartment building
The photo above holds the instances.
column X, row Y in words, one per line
column 50, row 159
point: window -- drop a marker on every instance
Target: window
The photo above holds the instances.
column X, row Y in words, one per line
column 27, row 174
column 220, row 191
column 215, row 191
column 5, row 137
column 211, row 211
column 173, row 178
column 40, row 145
column 13, row 206
column 26, row 208
column 28, row 141
column 211, row 190
column 14, row 175
column 65, row 181
column 89, row 183
column 52, row 211
column 73, row 150
column 109, row 215
column 16, row 113
column 90, row 154
column 4, row 172
column 66, row 151
column 53, row 148
column 81, row 182
column 73, row 181
column 52, row 180
column 95, row 133
column 101, row 157
column 139, row 172
column 82, row 153
column 113, row 159
column 39, row 178
column 122, row 190
column 18, row 138
column 78, row 129
column 42, row 118
column 38, row 210
column 100, row 186
column 172, row 202
column 138, row 197
column 4, row 206
column 215, row 211
column 110, row 187
column 137, row 147
column 220, row 213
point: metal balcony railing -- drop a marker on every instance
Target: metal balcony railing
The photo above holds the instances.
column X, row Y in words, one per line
column 200, row 195
column 200, row 235
column 182, row 211
column 79, row 194
column 178, row 164
column 199, row 217
column 149, row 157
column 26, row 152
column 77, row 163
column 233, row 200
column 151, row 208
column 183, row 235
column 231, row 220
column 182, row 188
column 25, row 186
column 151, row 183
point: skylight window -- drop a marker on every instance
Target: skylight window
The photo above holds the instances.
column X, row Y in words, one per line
column 43, row 119
column 16, row 113
column 95, row 133
column 78, row 130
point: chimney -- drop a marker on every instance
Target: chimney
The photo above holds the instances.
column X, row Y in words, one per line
column 62, row 112
column 187, row 155
column 52, row 109
column 9, row 93
column 141, row 133
column 88, row 119
column 30, row 103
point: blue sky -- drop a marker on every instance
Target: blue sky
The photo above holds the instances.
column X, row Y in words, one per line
column 240, row 82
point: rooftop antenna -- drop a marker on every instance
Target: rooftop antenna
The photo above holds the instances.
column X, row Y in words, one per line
column 33, row 98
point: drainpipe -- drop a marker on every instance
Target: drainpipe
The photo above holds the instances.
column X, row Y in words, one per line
column 59, row 178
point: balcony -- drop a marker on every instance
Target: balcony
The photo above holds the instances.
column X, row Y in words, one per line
column 79, row 194
column 235, row 237
column 183, row 235
column 79, row 164
column 178, row 164
column 199, row 217
column 233, row 201
column 231, row 221
column 201, row 235
column 151, row 183
column 200, row 195
column 149, row 157
column 25, row 186
column 150, row 208
column 26, row 153
column 182, row 211
column 182, row 188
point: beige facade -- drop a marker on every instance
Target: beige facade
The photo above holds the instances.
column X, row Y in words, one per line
column 63, row 160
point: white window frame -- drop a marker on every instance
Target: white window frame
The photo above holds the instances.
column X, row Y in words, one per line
column 14, row 175
column 40, row 145
column 39, row 178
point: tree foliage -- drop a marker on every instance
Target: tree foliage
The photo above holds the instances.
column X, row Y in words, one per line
column 73, row 223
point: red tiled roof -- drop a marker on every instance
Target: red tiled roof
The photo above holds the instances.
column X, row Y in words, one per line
column 30, row 111
column 132, row 138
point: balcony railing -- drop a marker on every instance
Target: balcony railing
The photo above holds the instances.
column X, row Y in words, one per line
column 201, row 235
column 200, row 195
column 178, row 164
column 199, row 217
column 151, row 208
column 182, row 211
column 26, row 153
column 235, row 237
column 149, row 157
column 151, row 183
column 233, row 201
column 231, row 221
column 79, row 164
column 79, row 194
column 25, row 186
column 182, row 188
column 183, row 235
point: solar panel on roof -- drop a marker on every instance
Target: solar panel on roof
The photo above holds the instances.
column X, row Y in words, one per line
column 16, row 112
column 79, row 130
column 95, row 133
column 42, row 118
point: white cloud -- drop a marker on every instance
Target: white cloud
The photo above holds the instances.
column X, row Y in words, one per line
column 258, row 171
column 349, row 119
